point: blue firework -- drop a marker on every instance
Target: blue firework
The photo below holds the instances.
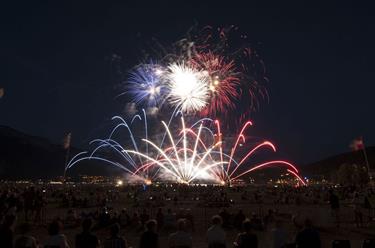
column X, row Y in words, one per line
column 145, row 85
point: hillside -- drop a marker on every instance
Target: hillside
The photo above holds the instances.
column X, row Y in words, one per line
column 24, row 156
column 329, row 165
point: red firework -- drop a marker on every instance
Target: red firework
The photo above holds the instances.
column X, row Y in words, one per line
column 224, row 81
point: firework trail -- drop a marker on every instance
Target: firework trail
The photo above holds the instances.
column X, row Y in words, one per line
column 189, row 155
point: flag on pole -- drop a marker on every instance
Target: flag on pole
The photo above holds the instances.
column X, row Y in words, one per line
column 67, row 139
column 357, row 144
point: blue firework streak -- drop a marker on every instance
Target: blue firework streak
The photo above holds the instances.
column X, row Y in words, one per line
column 146, row 86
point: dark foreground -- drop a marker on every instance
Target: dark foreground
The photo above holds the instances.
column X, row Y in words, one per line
column 268, row 208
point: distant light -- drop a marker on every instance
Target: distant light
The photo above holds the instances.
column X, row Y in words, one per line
column 120, row 182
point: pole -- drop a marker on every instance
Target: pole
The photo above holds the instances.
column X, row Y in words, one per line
column 66, row 161
column 366, row 160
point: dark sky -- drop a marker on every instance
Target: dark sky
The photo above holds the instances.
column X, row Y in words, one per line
column 56, row 67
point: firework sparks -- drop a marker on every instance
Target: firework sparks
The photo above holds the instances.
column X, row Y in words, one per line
column 207, row 75
column 192, row 154
column 146, row 86
column 223, row 82
column 188, row 87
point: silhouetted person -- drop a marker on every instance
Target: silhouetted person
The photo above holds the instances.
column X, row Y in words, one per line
column 309, row 237
column 24, row 239
column 149, row 238
column 247, row 239
column 239, row 219
column 169, row 220
column 335, row 206
column 55, row 238
column 160, row 218
column 279, row 235
column 7, row 231
column 216, row 237
column 115, row 240
column 86, row 239
column 144, row 217
column 181, row 238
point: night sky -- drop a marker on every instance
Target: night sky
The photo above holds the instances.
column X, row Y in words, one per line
column 58, row 71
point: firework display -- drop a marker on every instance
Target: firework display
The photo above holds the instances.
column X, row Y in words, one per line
column 202, row 74
column 203, row 77
column 188, row 155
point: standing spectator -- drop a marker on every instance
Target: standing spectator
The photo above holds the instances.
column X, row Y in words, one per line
column 24, row 239
column 239, row 219
column 309, row 237
column 86, row 239
column 216, row 237
column 28, row 199
column 38, row 207
column 181, row 238
column 7, row 231
column 190, row 220
column 115, row 240
column 160, row 218
column 278, row 235
column 225, row 216
column 144, row 217
column 247, row 239
column 55, row 238
column 169, row 220
column 358, row 215
column 335, row 206
column 124, row 218
column 150, row 239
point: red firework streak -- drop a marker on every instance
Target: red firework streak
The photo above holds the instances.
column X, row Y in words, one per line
column 224, row 81
column 230, row 173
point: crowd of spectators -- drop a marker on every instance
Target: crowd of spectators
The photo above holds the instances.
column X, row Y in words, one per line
column 159, row 211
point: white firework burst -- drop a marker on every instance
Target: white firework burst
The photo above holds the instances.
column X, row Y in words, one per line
column 189, row 89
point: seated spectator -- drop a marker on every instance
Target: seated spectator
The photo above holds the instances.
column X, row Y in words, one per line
column 247, row 239
column 86, row 239
column 309, row 237
column 55, row 238
column 24, row 239
column 149, row 238
column 181, row 238
column 7, row 231
column 115, row 240
column 216, row 237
